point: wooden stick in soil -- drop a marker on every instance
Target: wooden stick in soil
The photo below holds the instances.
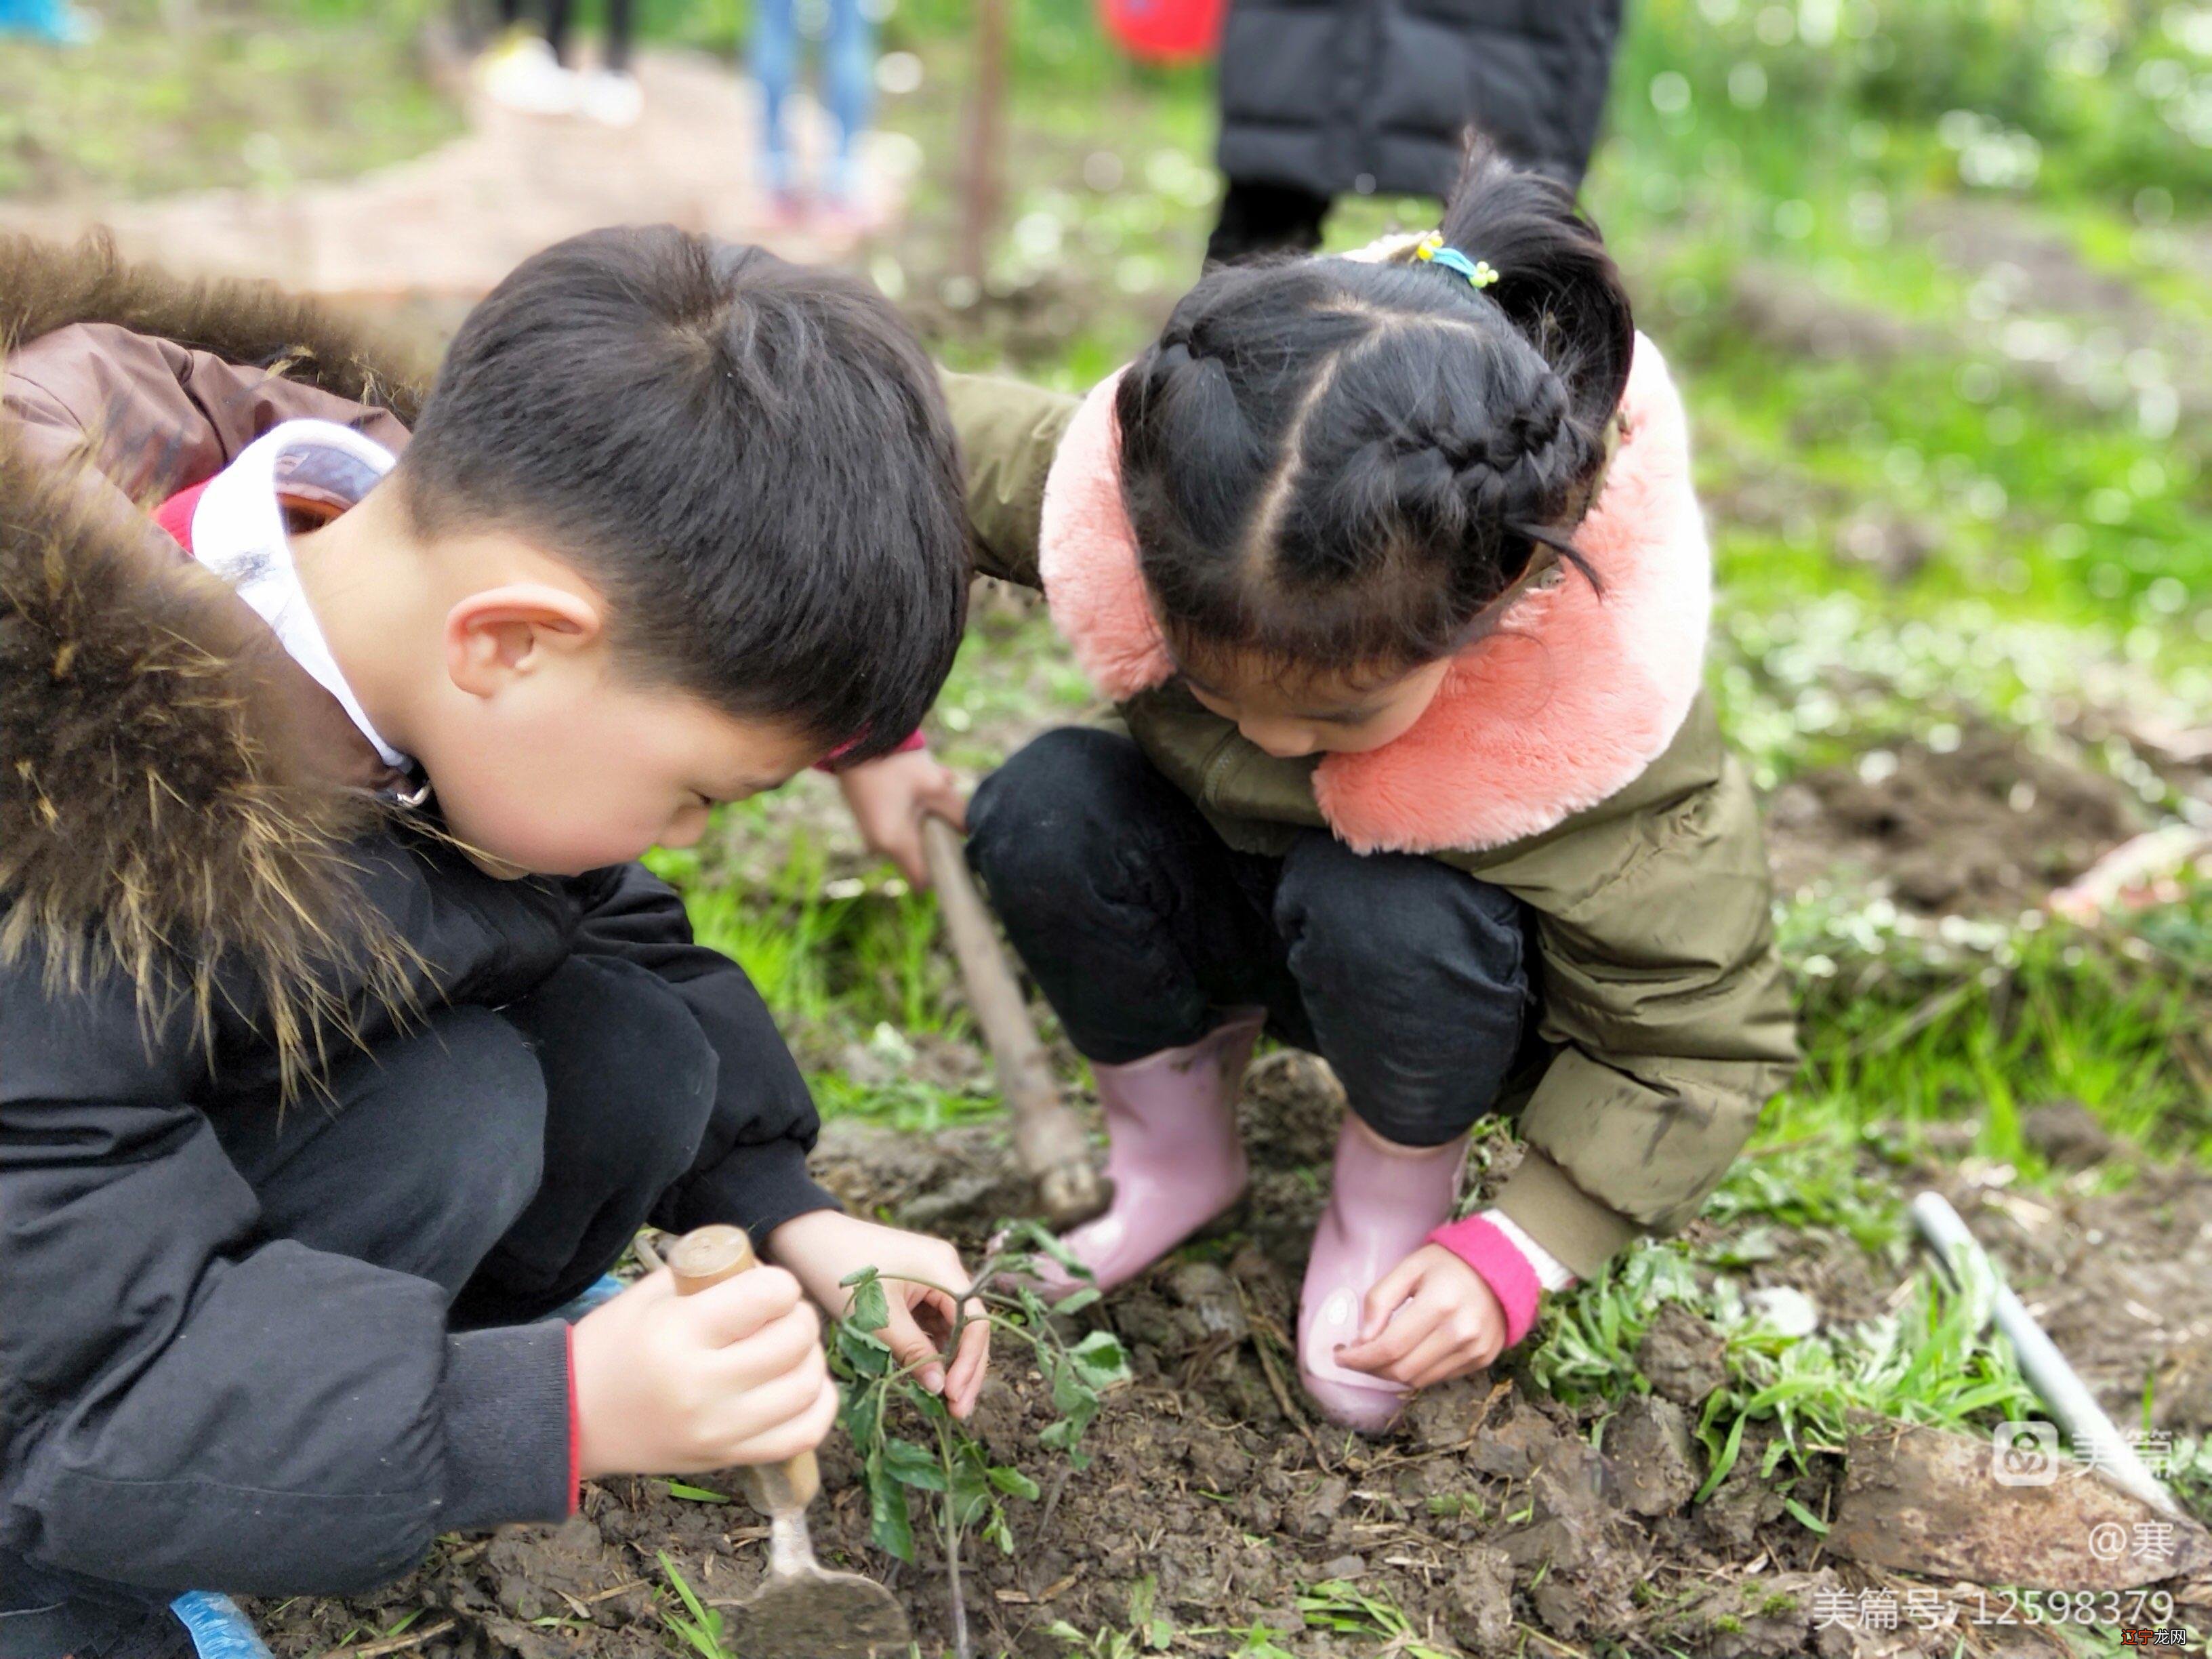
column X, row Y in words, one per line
column 1049, row 1138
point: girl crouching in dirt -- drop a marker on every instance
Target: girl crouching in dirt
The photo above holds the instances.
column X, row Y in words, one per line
column 1393, row 567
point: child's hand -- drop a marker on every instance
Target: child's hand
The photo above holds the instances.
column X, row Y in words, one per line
column 1430, row 1318
column 824, row 1248
column 669, row 1384
column 887, row 797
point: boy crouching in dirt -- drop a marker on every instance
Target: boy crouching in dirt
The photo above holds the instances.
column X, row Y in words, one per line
column 343, row 1040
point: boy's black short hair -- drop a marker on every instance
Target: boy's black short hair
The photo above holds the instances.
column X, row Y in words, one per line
column 751, row 459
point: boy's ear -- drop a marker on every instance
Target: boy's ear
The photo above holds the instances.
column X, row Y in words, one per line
column 498, row 633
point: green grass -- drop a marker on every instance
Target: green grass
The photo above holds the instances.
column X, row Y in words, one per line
column 697, row 1626
column 1926, row 1363
column 227, row 95
column 1992, row 1021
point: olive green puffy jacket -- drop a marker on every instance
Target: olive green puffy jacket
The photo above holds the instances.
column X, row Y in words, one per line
column 1662, row 996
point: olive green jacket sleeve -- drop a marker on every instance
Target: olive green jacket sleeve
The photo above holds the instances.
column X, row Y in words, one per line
column 1660, row 991
column 1663, row 992
column 1009, row 433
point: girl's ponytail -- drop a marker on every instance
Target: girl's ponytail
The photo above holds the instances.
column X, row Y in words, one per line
column 1555, row 282
column 1346, row 461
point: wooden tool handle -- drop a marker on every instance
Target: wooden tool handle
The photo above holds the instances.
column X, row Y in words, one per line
column 704, row 1257
column 1048, row 1137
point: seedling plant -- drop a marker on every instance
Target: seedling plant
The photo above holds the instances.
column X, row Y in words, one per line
column 936, row 1457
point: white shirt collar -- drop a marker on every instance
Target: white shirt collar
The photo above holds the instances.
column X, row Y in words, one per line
column 238, row 533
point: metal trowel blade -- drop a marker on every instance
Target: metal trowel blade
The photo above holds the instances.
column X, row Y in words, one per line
column 820, row 1615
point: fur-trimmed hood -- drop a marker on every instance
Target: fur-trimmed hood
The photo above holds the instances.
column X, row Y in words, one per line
column 168, row 807
column 45, row 287
column 1562, row 705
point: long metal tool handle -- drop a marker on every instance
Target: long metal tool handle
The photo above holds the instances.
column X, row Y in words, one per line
column 702, row 1258
column 1049, row 1138
column 2045, row 1369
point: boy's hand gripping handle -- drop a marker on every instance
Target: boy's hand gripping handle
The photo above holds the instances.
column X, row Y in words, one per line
column 1048, row 1137
column 706, row 1256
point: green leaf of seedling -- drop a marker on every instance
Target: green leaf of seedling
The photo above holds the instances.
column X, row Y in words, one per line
column 695, row 1494
column 912, row 1465
column 862, row 1414
column 890, row 1528
column 971, row 1492
column 1142, row 1595
column 931, row 1405
column 1100, row 1360
column 1082, row 1299
column 1034, row 1312
column 871, row 1309
column 1015, row 1484
column 1070, row 1392
column 865, row 1353
column 1034, row 1235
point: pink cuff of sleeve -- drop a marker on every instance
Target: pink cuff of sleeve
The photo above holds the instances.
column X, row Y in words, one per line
column 1512, row 1280
column 833, row 761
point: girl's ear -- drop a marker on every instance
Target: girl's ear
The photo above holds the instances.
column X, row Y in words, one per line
column 1556, row 282
column 500, row 633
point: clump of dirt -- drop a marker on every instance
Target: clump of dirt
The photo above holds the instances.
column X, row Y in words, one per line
column 1681, row 1357
column 2067, row 1133
column 1990, row 828
column 1922, row 1500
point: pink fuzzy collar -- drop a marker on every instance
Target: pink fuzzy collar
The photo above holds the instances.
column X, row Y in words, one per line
column 1563, row 706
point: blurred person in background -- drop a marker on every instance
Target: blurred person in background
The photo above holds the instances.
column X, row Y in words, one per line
column 1320, row 98
column 536, row 73
column 847, row 31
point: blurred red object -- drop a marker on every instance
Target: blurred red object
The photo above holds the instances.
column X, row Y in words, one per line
column 1165, row 31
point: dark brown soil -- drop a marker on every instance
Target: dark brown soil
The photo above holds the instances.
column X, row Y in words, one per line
column 1491, row 1519
column 1990, row 828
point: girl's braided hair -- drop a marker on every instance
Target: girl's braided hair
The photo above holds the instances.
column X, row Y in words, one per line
column 1336, row 464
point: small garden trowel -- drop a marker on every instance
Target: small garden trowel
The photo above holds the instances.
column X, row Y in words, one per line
column 802, row 1610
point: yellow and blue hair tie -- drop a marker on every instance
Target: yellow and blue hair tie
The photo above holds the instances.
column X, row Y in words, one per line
column 1478, row 273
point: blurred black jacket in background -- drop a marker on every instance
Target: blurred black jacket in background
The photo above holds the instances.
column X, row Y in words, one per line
column 1325, row 97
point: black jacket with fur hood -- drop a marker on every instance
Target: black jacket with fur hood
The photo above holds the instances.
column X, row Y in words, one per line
column 198, row 903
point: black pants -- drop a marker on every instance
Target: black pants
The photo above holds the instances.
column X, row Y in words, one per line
column 560, row 19
column 1143, row 928
column 509, row 1156
column 1257, row 218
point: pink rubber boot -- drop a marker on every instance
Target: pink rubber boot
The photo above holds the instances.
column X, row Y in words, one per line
column 1386, row 1200
column 1173, row 1154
